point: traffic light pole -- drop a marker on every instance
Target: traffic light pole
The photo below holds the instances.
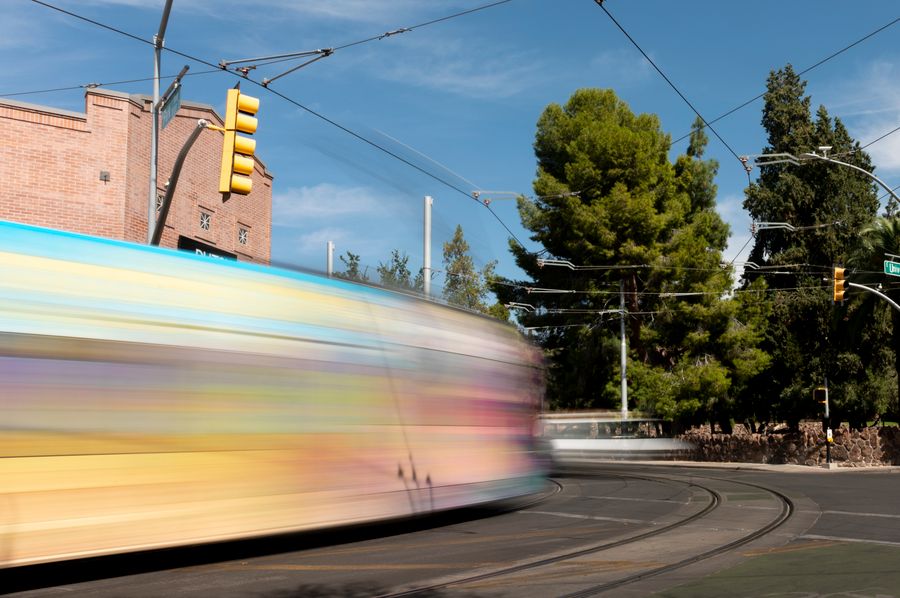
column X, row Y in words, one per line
column 877, row 292
column 828, row 436
column 173, row 181
column 154, row 126
column 623, row 353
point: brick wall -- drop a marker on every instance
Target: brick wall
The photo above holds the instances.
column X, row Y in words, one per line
column 50, row 174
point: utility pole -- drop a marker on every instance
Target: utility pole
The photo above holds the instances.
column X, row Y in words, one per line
column 154, row 117
column 329, row 258
column 623, row 352
column 426, row 267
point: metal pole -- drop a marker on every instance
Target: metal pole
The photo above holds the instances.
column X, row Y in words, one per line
column 879, row 293
column 154, row 117
column 858, row 169
column 329, row 258
column 623, row 356
column 426, row 268
column 828, row 436
column 173, row 182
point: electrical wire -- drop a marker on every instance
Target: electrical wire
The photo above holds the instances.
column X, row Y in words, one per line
column 859, row 149
column 672, row 85
column 107, row 84
column 741, row 250
column 307, row 109
column 425, row 24
column 803, row 72
column 330, row 51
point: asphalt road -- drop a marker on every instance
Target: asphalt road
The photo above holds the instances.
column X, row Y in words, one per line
column 842, row 539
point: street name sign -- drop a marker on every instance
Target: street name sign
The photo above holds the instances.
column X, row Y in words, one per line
column 173, row 104
column 891, row 268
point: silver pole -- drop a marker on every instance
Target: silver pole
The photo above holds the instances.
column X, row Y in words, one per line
column 879, row 293
column 173, row 182
column 154, row 116
column 858, row 169
column 624, row 361
column 329, row 258
column 426, row 268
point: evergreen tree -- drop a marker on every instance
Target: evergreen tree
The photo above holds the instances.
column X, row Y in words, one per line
column 609, row 198
column 870, row 322
column 830, row 204
column 465, row 286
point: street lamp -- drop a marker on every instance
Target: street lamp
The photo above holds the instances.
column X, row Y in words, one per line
column 784, row 157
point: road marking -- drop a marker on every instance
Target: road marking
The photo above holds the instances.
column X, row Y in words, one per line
column 665, row 500
column 591, row 517
column 840, row 539
column 852, row 514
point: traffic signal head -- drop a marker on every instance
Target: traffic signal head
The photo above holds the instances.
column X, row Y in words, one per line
column 820, row 394
column 839, row 284
column 237, row 150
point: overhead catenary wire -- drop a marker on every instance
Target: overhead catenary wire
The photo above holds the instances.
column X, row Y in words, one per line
column 673, row 86
column 305, row 108
column 803, row 72
column 325, row 52
column 105, row 84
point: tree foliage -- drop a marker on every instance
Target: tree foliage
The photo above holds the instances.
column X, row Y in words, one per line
column 466, row 286
column 828, row 204
column 352, row 268
column 609, row 198
column 395, row 274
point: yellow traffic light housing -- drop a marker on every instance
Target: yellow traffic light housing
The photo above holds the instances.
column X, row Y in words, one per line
column 839, row 284
column 237, row 151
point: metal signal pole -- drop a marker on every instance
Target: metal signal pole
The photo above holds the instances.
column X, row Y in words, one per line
column 154, row 117
column 624, row 350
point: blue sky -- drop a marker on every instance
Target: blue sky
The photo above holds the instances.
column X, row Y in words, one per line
column 460, row 98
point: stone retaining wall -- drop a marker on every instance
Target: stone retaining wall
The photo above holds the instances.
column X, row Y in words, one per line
column 851, row 448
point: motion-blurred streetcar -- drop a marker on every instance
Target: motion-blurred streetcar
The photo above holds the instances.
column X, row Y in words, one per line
column 153, row 398
column 608, row 435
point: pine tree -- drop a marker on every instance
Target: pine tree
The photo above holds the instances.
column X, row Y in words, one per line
column 609, row 198
column 465, row 286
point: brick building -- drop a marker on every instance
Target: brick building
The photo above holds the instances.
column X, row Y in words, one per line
column 89, row 173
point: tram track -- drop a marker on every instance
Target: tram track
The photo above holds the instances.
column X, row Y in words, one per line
column 716, row 500
column 787, row 509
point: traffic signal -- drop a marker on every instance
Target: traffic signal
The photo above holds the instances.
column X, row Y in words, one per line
column 820, row 394
column 237, row 150
column 839, row 284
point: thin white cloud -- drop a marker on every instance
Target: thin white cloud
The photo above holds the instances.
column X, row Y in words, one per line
column 299, row 205
column 362, row 11
column 20, row 31
column 870, row 107
column 462, row 68
column 315, row 241
column 730, row 208
column 620, row 68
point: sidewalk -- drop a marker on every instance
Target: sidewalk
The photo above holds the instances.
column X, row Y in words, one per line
column 783, row 467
